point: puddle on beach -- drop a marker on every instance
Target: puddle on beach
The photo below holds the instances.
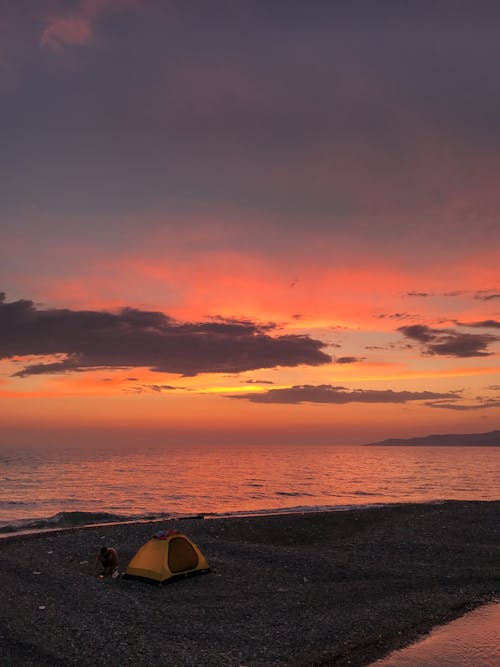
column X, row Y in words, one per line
column 472, row 640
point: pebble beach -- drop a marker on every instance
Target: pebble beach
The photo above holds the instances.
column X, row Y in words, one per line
column 319, row 588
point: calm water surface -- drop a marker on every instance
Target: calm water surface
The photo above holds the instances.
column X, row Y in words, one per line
column 470, row 641
column 36, row 483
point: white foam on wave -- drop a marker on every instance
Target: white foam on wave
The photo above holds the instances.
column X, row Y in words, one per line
column 79, row 519
column 70, row 520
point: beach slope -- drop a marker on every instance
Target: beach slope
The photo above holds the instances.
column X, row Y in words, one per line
column 331, row 588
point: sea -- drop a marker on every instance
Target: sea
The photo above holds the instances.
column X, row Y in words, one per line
column 42, row 489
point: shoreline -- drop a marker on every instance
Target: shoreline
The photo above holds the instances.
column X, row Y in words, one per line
column 312, row 588
column 363, row 655
column 6, row 532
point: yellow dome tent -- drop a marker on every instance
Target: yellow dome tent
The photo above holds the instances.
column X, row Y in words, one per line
column 165, row 558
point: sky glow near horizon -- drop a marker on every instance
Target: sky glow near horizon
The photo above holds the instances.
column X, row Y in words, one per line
column 248, row 222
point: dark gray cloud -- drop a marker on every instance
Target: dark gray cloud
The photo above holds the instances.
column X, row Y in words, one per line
column 396, row 316
column 457, row 292
column 136, row 338
column 156, row 388
column 348, row 360
column 486, row 295
column 462, row 407
column 163, row 387
column 448, row 342
column 257, row 382
column 482, row 324
column 326, row 393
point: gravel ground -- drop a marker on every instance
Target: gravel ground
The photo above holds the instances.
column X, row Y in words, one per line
column 329, row 588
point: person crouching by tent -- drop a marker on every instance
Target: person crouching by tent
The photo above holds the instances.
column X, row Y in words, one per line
column 107, row 560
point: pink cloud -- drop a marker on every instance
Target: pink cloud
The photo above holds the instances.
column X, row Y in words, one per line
column 77, row 28
column 62, row 31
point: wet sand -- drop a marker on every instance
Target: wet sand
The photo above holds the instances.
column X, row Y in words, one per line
column 331, row 588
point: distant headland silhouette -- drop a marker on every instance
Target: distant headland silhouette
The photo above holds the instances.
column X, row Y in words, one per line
column 489, row 439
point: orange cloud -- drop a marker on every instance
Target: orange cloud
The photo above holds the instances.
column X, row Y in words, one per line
column 191, row 283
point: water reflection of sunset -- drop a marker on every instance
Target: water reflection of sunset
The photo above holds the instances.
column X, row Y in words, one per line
column 172, row 478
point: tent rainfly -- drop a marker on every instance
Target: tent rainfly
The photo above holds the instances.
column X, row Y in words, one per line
column 165, row 558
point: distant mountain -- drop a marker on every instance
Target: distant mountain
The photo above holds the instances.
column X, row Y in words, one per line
column 490, row 439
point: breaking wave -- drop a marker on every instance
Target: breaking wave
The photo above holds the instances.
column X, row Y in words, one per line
column 72, row 520
column 80, row 519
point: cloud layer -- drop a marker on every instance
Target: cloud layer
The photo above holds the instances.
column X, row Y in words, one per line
column 481, row 404
column 449, row 342
column 326, row 393
column 135, row 338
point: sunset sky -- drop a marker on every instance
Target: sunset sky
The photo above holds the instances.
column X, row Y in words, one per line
column 248, row 222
